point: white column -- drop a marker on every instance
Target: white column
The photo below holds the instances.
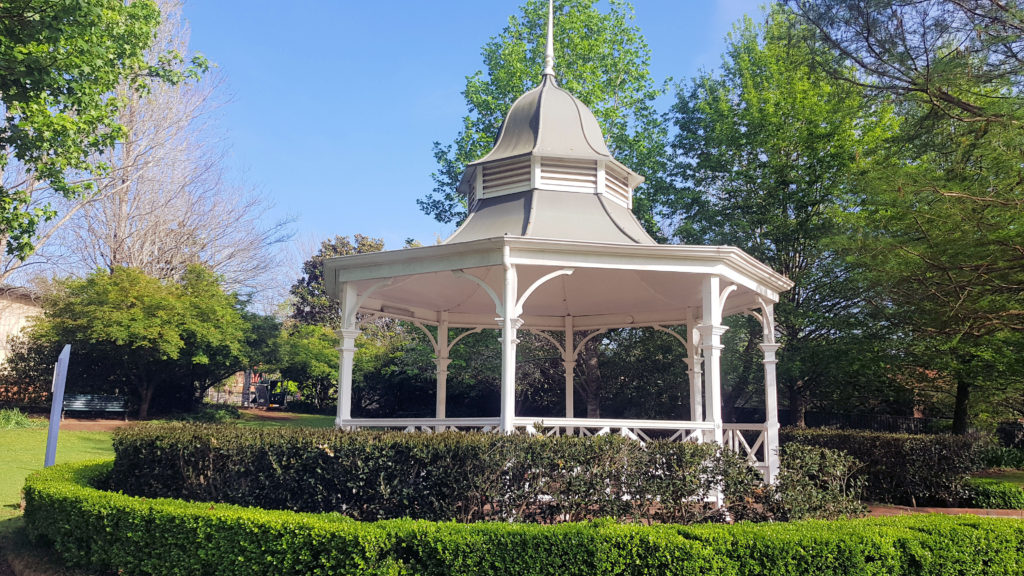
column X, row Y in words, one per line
column 693, row 363
column 442, row 364
column 569, row 363
column 711, row 330
column 347, row 349
column 771, row 411
column 509, row 325
column 697, row 387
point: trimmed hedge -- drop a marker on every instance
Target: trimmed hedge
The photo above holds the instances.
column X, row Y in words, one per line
column 996, row 494
column 116, row 532
column 449, row 476
column 912, row 469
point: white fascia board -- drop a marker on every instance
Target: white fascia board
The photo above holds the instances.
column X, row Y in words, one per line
column 411, row 261
column 660, row 257
column 646, row 262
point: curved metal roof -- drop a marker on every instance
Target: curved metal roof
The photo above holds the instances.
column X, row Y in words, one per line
column 549, row 121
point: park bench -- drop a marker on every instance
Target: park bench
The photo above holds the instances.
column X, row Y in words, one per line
column 95, row 403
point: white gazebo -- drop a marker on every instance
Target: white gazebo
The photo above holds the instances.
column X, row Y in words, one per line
column 551, row 246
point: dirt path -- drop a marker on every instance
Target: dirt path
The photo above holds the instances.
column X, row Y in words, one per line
column 269, row 415
column 879, row 510
column 109, row 424
column 91, row 424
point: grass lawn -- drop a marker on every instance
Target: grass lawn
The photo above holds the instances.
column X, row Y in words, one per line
column 1014, row 476
column 24, row 450
column 285, row 420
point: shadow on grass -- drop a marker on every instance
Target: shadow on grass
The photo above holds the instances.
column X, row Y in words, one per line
column 20, row 557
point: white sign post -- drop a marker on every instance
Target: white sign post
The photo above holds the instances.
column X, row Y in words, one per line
column 60, row 374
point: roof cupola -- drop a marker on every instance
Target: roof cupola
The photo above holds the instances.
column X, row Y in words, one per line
column 550, row 173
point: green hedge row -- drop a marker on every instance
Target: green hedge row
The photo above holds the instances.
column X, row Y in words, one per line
column 912, row 469
column 450, row 476
column 124, row 534
column 996, row 494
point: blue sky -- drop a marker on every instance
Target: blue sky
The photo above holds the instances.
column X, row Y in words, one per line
column 334, row 106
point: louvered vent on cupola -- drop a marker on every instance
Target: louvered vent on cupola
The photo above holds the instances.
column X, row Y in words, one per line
column 505, row 177
column 568, row 175
column 616, row 186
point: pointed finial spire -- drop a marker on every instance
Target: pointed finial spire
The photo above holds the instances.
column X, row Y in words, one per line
column 549, row 54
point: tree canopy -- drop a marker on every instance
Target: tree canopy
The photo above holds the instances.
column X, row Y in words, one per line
column 937, row 224
column 766, row 153
column 61, row 62
column 145, row 337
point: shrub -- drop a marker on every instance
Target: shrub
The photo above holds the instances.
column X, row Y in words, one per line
column 455, row 475
column 813, row 483
column 996, row 456
column 118, row 533
column 309, row 407
column 817, row 483
column 914, row 469
column 995, row 493
column 11, row 418
column 213, row 413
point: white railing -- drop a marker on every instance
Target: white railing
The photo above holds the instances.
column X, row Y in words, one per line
column 425, row 424
column 643, row 430
column 747, row 440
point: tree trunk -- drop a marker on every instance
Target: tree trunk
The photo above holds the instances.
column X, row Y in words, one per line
column 592, row 378
column 145, row 397
column 797, row 406
column 961, row 410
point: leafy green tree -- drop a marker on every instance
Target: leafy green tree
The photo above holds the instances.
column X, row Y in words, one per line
column 60, row 64
column 311, row 304
column 600, row 57
column 764, row 157
column 153, row 340
column 937, row 54
column 948, row 269
column 938, row 225
column 309, row 357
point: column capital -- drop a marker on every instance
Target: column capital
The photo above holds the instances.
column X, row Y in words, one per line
column 348, row 333
column 709, row 330
column 569, row 364
column 517, row 322
column 769, row 348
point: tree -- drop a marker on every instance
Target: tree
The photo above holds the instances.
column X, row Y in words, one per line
column 939, row 219
column 601, row 58
column 165, row 204
column 764, row 156
column 151, row 339
column 311, row 303
column 935, row 53
column 61, row 62
column 948, row 270
column 309, row 357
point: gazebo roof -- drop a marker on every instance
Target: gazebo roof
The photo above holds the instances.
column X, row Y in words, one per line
column 550, row 201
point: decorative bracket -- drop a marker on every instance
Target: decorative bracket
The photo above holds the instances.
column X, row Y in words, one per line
column 522, row 299
column 498, row 308
column 349, row 318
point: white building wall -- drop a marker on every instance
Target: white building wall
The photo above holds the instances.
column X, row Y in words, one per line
column 15, row 311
